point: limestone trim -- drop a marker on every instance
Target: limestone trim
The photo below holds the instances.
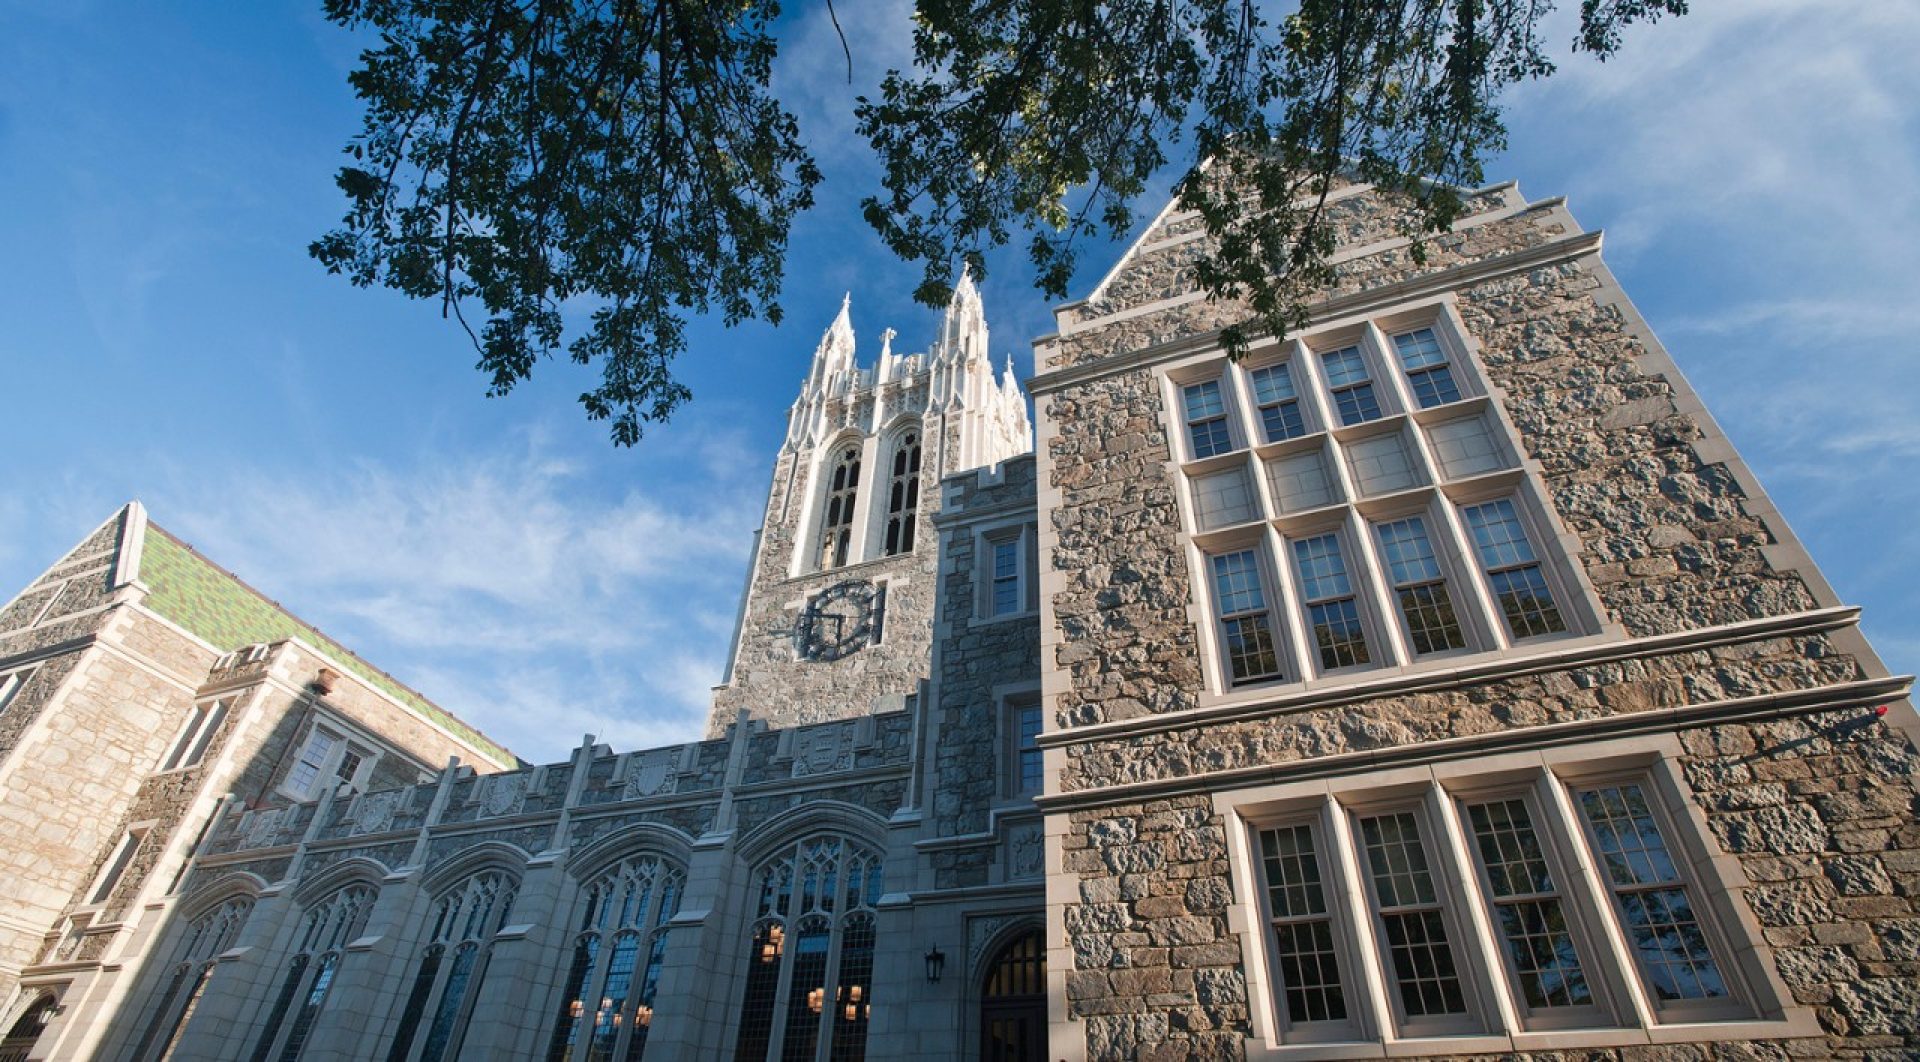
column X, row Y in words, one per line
column 1385, row 296
column 46, row 653
column 823, row 816
column 1513, row 664
column 639, row 837
column 1838, row 696
column 1349, row 254
column 1761, row 1006
column 487, row 855
column 349, row 871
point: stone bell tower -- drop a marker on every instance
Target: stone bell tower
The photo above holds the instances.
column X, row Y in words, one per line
column 837, row 619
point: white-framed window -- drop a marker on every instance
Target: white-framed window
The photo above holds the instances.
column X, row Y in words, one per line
column 327, row 756
column 1329, row 600
column 1022, row 773
column 809, row 978
column 1204, row 404
column 1419, row 586
column 619, row 951
column 1004, row 574
column 191, row 746
column 1445, row 895
column 836, row 516
column 1277, row 398
column 12, row 682
column 1514, row 573
column 453, row 966
column 903, row 495
column 1240, row 602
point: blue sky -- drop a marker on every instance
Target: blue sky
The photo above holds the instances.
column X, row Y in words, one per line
column 163, row 336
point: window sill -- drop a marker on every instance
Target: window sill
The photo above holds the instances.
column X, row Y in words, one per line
column 1796, row 1024
column 1004, row 617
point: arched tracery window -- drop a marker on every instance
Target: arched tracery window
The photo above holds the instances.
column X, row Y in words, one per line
column 836, row 521
column 810, row 963
column 25, row 1031
column 607, row 1009
column 465, row 919
column 903, row 494
column 206, row 937
column 324, row 933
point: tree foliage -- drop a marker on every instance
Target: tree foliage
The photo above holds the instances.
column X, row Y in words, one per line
column 628, row 156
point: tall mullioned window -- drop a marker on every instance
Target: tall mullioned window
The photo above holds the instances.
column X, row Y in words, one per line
column 1386, row 885
column 1206, row 412
column 1333, row 616
column 809, row 977
column 903, row 495
column 1246, row 625
column 452, row 967
column 1352, row 385
column 206, row 937
column 1419, row 589
column 1513, row 570
column 324, row 934
column 1428, row 374
column 606, row 1013
column 836, row 521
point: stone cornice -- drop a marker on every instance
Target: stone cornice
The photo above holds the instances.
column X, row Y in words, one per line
column 1501, row 667
column 1839, row 695
column 1359, row 302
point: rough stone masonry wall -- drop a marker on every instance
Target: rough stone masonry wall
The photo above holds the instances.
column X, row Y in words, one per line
column 768, row 680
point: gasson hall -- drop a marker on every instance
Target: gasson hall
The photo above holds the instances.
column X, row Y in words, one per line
column 1435, row 682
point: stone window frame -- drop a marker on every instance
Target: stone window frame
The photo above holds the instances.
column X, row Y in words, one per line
column 1436, row 497
column 189, row 749
column 905, row 438
column 334, row 915
column 1765, row 1008
column 12, row 681
column 349, row 739
column 1023, row 535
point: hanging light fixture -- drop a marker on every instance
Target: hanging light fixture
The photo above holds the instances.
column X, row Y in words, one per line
column 936, row 962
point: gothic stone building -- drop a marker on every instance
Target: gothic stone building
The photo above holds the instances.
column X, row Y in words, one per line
column 1437, row 682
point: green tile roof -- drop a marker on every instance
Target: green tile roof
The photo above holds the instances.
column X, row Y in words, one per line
column 215, row 605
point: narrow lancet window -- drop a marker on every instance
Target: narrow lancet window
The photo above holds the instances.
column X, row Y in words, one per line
column 903, row 495
column 836, row 524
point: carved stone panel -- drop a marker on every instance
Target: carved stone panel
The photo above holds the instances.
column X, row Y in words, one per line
column 822, row 750
column 652, row 773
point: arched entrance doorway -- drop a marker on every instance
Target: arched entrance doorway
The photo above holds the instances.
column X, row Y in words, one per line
column 1013, row 1002
column 26, row 1031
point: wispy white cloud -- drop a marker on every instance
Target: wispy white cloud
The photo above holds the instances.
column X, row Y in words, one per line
column 503, row 585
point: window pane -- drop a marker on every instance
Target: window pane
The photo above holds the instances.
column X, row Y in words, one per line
column 1526, row 602
column 1273, row 383
column 1203, row 400
column 1323, row 571
column 1419, row 349
column 1415, row 931
column 1338, row 635
column 1381, row 464
column 1209, row 437
column 1250, row 652
column 1236, row 582
column 1408, row 552
column 1433, row 387
column 1397, row 860
column 806, row 996
column 1206, row 419
column 1026, row 740
column 1345, row 367
column 1293, row 872
column 1497, row 534
column 1301, row 482
column 1432, row 626
column 1222, row 499
column 1357, row 404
